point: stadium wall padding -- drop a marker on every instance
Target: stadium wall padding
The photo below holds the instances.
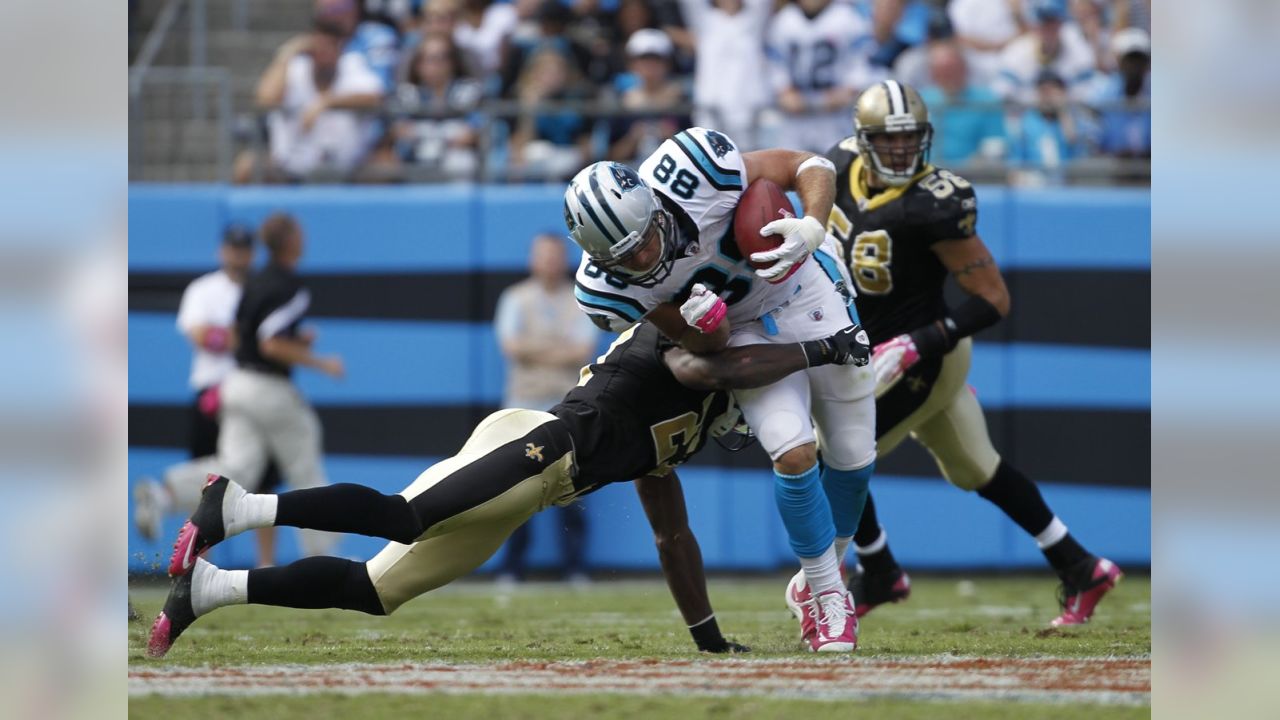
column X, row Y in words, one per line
column 405, row 280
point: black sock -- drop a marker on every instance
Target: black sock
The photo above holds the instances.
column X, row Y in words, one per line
column 1020, row 499
column 316, row 582
column 869, row 526
column 869, row 531
column 350, row 508
column 1065, row 556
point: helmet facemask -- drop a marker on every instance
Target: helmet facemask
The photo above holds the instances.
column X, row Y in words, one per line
column 660, row 229
column 888, row 152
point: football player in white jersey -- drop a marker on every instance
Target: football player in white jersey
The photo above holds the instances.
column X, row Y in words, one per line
column 818, row 53
column 659, row 244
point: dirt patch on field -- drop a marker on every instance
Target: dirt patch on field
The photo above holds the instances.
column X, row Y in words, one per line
column 1073, row 680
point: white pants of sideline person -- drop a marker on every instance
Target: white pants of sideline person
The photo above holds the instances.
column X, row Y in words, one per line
column 262, row 416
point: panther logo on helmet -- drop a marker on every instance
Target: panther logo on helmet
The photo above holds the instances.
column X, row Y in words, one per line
column 626, row 178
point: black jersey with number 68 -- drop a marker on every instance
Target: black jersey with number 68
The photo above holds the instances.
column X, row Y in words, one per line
column 888, row 237
column 630, row 417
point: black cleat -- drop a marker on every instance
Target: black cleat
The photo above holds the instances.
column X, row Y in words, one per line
column 204, row 530
column 176, row 617
column 870, row 590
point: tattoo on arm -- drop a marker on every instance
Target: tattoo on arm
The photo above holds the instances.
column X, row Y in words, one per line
column 978, row 264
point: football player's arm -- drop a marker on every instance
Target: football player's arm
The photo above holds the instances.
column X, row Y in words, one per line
column 667, row 318
column 974, row 269
column 753, row 366
column 813, row 178
column 681, row 560
column 814, row 182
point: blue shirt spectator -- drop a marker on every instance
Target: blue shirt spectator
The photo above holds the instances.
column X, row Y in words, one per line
column 967, row 118
column 1125, row 97
column 1053, row 132
column 378, row 43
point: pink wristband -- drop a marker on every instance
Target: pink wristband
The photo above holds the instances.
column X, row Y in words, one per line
column 216, row 339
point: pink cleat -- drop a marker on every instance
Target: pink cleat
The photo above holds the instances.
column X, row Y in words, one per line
column 836, row 622
column 798, row 598
column 203, row 530
column 176, row 617
column 1078, row 603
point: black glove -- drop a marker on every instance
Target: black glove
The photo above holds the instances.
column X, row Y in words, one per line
column 724, row 646
column 850, row 346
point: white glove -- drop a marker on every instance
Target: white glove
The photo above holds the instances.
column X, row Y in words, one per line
column 704, row 309
column 890, row 359
column 801, row 237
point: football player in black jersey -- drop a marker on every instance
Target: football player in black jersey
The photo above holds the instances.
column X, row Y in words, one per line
column 906, row 225
column 638, row 412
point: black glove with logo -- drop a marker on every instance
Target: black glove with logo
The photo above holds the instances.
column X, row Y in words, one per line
column 850, row 346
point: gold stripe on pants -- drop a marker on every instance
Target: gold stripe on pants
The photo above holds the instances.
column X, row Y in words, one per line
column 950, row 425
column 457, row 545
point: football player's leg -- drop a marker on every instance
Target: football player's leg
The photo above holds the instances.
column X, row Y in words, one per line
column 498, row 460
column 779, row 415
column 844, row 413
column 922, row 393
column 958, row 439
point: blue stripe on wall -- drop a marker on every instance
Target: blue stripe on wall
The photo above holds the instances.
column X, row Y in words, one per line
column 348, row 228
column 393, row 363
column 732, row 512
column 452, row 363
column 416, row 228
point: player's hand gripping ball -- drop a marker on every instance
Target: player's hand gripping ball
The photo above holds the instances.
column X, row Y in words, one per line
column 770, row 235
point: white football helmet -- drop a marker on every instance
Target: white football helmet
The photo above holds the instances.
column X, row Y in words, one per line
column 611, row 213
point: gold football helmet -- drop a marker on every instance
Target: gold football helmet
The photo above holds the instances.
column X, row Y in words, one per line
column 893, row 131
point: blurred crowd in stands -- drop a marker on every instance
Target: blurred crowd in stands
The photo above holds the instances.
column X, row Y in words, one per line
column 532, row 90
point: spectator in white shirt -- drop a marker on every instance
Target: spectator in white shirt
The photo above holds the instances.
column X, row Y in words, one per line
column 727, row 89
column 1053, row 45
column 314, row 89
column 482, row 31
column 984, row 28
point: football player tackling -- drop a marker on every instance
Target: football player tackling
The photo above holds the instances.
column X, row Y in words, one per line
column 659, row 244
column 906, row 225
column 638, row 412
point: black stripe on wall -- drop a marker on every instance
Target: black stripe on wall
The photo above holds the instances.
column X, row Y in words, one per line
column 1074, row 307
column 1075, row 446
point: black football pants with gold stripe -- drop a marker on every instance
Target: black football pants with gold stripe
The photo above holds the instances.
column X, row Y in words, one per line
column 451, row 519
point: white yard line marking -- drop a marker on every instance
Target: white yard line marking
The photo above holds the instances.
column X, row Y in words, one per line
column 1110, row 681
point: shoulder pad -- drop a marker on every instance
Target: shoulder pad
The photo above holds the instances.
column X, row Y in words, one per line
column 843, row 153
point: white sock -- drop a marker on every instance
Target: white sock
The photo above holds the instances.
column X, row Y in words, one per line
column 243, row 510
column 876, row 545
column 822, row 572
column 842, row 547
column 212, row 588
column 1051, row 535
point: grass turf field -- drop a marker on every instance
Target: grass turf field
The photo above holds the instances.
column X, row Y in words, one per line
column 630, row 631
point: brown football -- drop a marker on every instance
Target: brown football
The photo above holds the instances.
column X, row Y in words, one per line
column 761, row 204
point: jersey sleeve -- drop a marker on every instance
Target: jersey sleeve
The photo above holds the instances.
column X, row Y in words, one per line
column 609, row 301
column 954, row 215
